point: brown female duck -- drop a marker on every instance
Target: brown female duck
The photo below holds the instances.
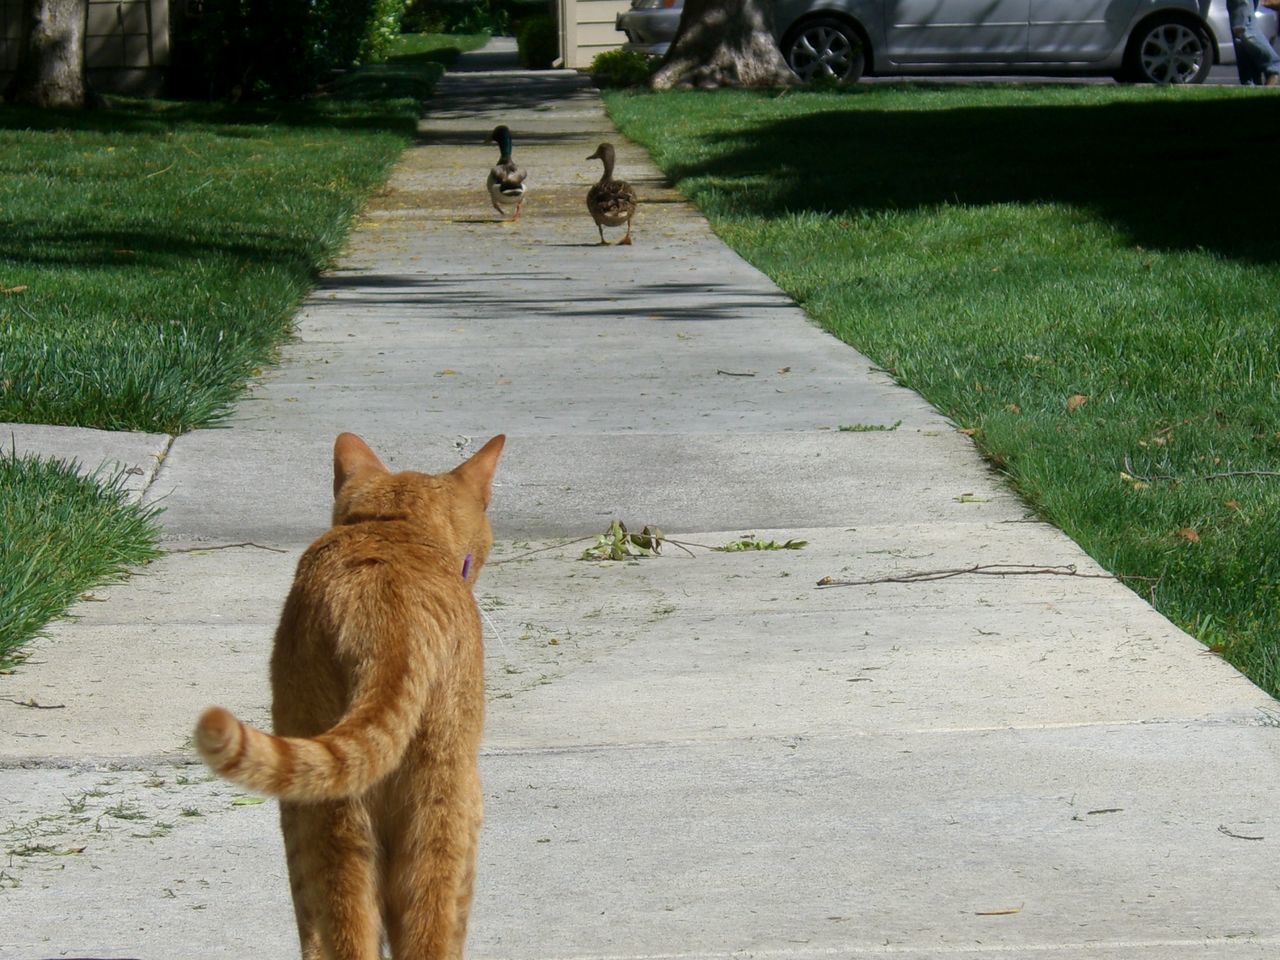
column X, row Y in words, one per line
column 611, row 202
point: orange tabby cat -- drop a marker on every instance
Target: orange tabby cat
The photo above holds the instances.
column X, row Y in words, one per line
column 378, row 700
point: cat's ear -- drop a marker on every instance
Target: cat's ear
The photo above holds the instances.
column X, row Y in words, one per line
column 351, row 456
column 477, row 472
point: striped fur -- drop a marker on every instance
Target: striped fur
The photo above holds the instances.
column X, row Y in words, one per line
column 378, row 699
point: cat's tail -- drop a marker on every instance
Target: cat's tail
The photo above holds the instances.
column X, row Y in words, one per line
column 364, row 746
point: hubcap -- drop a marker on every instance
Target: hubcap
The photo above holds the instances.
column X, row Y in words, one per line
column 822, row 52
column 1172, row 54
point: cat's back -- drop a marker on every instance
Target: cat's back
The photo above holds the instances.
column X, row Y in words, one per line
column 360, row 593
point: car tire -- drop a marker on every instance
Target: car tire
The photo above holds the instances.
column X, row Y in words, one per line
column 825, row 49
column 1168, row 50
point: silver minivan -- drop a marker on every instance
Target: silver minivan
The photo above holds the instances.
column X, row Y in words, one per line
column 1151, row 41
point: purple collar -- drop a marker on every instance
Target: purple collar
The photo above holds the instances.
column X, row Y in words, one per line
column 466, row 566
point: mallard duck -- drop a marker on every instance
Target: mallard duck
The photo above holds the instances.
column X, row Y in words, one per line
column 505, row 180
column 611, row 202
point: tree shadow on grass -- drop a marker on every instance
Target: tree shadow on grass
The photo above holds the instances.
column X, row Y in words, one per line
column 1179, row 175
column 384, row 97
column 100, row 248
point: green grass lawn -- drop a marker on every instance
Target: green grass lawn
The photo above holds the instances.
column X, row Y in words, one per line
column 1003, row 249
column 151, row 256
column 61, row 533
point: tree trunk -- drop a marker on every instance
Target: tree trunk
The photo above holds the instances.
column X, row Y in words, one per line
column 51, row 59
column 724, row 43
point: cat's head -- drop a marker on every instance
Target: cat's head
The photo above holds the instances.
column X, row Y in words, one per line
column 450, row 508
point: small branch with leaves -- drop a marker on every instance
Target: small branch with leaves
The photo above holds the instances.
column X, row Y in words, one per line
column 617, row 543
column 620, row 543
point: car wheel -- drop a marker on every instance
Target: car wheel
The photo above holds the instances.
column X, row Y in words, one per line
column 1169, row 51
column 825, row 49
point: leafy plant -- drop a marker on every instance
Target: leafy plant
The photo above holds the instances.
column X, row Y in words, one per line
column 449, row 16
column 277, row 49
column 617, row 543
column 382, row 32
column 538, row 43
column 622, row 68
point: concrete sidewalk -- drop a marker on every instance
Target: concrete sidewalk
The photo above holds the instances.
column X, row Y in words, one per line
column 701, row 756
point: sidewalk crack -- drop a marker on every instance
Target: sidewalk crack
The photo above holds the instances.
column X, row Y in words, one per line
column 154, row 474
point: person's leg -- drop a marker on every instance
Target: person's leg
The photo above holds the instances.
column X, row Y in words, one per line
column 1255, row 58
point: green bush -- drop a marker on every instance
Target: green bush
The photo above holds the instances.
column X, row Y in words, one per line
column 383, row 30
column 285, row 49
column 494, row 17
column 538, row 43
column 622, row 68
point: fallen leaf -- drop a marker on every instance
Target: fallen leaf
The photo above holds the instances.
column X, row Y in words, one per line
column 969, row 431
column 1076, row 401
column 22, row 288
column 784, row 369
column 1232, row 504
column 504, row 382
column 248, row 801
column 1013, row 408
column 446, row 372
column 1187, row 534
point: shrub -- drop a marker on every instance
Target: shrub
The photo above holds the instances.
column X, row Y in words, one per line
column 251, row 49
column 622, row 68
column 382, row 31
column 457, row 16
column 538, row 43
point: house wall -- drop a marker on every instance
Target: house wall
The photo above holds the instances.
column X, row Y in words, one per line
column 586, row 28
column 126, row 43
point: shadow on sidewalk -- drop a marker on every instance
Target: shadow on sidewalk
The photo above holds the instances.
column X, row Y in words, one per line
column 671, row 300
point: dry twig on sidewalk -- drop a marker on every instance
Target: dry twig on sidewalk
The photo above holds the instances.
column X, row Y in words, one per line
column 34, row 705
column 225, row 546
column 978, row 569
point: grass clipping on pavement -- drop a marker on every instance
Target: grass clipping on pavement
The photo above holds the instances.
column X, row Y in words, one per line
column 1095, row 309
